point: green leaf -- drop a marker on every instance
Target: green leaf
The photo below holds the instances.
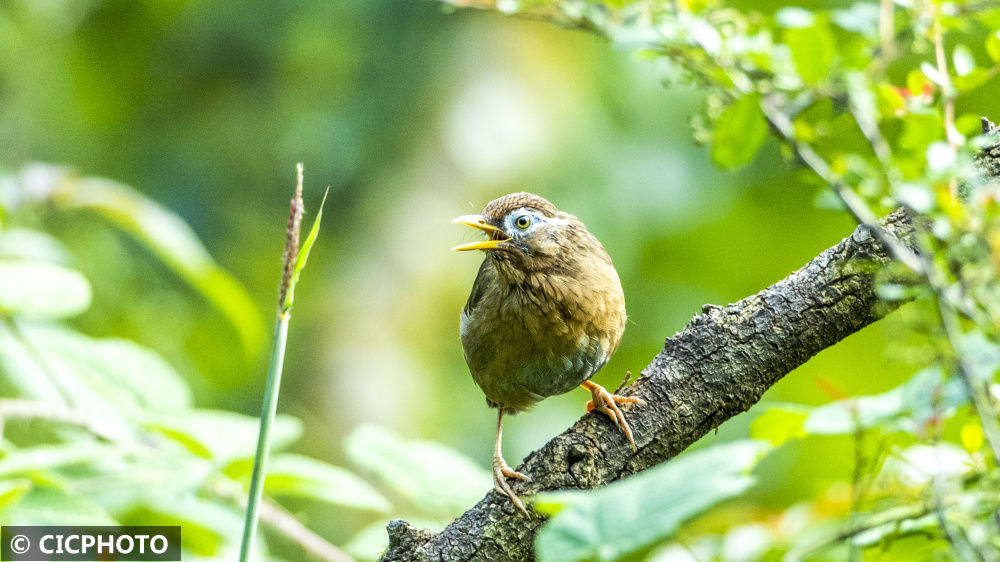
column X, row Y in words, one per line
column 917, row 465
column 11, row 491
column 224, row 436
column 963, row 60
column 972, row 80
column 21, row 372
column 300, row 260
column 435, row 478
column 107, row 381
column 919, row 131
column 704, row 34
column 173, row 241
column 917, row 82
column 304, row 477
column 739, row 133
column 905, row 407
column 971, row 436
column 969, row 124
column 932, row 73
column 828, row 200
column 861, row 17
column 792, row 17
column 993, row 46
column 889, row 99
column 980, row 356
column 780, row 423
column 812, row 51
column 207, row 525
column 897, row 291
column 50, row 506
column 49, row 457
column 641, row 510
column 36, row 364
column 917, row 196
column 161, row 468
column 32, row 245
column 42, row 290
column 119, row 371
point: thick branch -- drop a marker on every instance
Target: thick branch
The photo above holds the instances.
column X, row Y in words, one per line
column 717, row 367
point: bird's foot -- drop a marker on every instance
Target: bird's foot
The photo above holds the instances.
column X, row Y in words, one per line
column 604, row 401
column 501, row 472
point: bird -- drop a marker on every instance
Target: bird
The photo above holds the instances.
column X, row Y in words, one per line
column 546, row 312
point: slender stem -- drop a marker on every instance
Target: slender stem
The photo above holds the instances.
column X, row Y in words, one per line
column 941, row 60
column 987, row 415
column 782, row 123
column 869, row 128
column 918, row 264
column 854, row 204
column 264, row 437
column 281, row 520
column 885, row 30
column 888, row 516
column 52, row 377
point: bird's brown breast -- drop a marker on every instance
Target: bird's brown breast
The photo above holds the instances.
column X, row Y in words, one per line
column 529, row 335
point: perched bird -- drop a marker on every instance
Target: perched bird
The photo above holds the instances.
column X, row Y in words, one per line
column 546, row 312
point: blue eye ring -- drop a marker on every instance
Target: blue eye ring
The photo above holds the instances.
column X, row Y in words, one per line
column 522, row 222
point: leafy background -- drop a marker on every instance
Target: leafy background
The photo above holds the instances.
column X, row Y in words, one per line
column 132, row 362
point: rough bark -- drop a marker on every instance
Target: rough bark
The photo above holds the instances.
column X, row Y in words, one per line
column 718, row 366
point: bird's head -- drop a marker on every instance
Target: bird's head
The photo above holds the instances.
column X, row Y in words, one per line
column 529, row 233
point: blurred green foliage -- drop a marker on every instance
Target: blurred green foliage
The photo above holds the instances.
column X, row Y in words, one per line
column 634, row 513
column 866, row 100
column 128, row 355
column 104, row 431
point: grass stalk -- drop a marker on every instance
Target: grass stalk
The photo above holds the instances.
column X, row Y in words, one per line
column 293, row 263
column 267, row 414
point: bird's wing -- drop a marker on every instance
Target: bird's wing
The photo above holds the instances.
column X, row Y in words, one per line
column 479, row 288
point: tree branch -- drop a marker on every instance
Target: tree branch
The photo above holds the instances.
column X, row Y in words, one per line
column 718, row 366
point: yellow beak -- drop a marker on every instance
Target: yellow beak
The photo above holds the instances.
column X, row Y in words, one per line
column 477, row 221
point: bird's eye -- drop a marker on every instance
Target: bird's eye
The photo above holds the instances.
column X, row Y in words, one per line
column 522, row 222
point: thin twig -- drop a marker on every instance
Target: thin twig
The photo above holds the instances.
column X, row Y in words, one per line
column 869, row 128
column 854, row 204
column 951, row 133
column 628, row 376
column 916, row 263
column 857, row 475
column 948, row 94
column 39, row 358
column 886, row 517
column 885, row 30
column 783, row 125
column 284, row 522
column 987, row 415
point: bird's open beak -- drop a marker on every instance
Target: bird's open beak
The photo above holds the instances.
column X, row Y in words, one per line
column 477, row 221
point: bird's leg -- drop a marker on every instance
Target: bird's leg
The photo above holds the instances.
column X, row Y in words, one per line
column 501, row 471
column 604, row 401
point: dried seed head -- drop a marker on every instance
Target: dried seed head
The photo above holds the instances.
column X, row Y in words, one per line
column 296, row 210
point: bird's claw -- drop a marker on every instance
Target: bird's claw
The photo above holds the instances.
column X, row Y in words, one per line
column 501, row 471
column 604, row 401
